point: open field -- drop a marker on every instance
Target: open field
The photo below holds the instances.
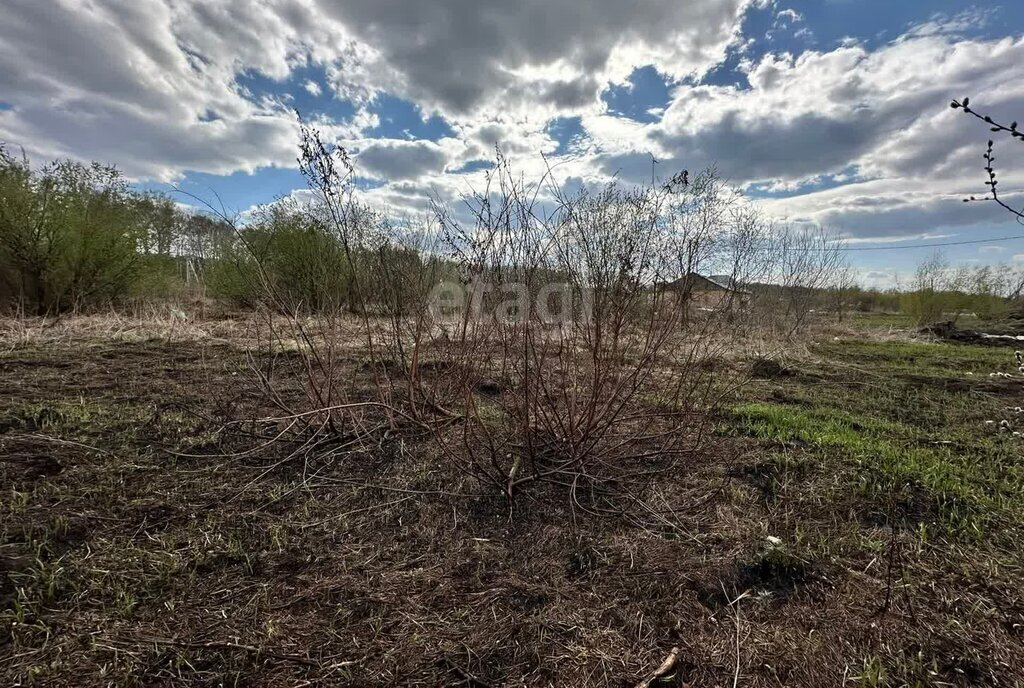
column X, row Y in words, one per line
column 501, row 345
column 854, row 521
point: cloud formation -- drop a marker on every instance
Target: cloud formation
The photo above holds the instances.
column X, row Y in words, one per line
column 874, row 124
column 462, row 55
column 399, row 160
column 855, row 134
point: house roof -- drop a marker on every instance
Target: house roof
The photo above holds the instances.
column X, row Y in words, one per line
column 698, row 282
column 724, row 281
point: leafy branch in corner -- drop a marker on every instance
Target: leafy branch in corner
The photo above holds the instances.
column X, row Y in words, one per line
column 989, row 155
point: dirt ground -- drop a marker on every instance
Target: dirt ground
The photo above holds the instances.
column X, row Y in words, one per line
column 142, row 545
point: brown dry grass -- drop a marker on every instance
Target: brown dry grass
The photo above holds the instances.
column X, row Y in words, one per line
column 141, row 545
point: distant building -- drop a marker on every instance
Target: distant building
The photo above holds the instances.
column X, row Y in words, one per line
column 716, row 292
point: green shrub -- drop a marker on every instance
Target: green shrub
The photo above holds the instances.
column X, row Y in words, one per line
column 158, row 278
column 69, row 235
column 285, row 256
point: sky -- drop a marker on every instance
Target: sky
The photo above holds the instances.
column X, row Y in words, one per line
column 827, row 112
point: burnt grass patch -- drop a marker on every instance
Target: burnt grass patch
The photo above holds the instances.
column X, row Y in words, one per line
column 140, row 544
column 774, row 575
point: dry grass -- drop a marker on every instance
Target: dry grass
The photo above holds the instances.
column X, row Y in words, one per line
column 141, row 543
column 168, row 323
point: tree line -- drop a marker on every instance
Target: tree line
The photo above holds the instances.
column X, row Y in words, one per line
column 78, row 237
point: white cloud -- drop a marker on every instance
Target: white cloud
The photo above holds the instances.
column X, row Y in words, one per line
column 152, row 85
column 462, row 56
column 821, row 112
column 123, row 81
column 811, row 119
column 940, row 23
column 788, row 16
column 888, row 278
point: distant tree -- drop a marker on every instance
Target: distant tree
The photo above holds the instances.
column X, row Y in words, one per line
column 201, row 235
column 162, row 220
column 932, row 292
column 844, row 290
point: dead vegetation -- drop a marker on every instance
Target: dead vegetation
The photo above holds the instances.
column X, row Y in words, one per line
column 158, row 529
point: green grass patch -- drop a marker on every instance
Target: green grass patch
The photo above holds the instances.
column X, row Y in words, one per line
column 935, row 358
column 928, row 480
column 902, row 321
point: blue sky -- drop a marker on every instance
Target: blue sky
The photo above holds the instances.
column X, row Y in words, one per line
column 830, row 112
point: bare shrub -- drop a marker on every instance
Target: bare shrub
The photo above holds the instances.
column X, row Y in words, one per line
column 559, row 351
column 531, row 332
column 713, row 230
column 804, row 266
column 563, row 339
